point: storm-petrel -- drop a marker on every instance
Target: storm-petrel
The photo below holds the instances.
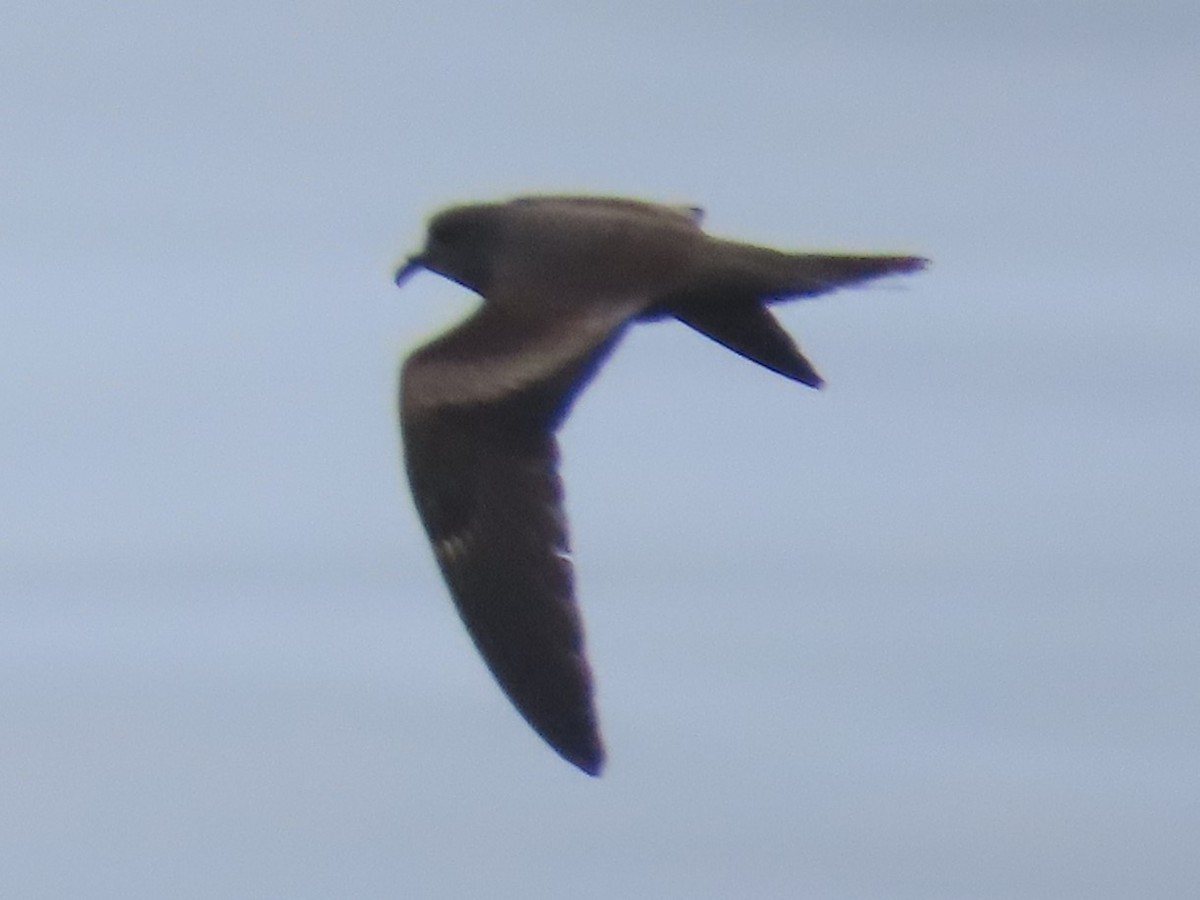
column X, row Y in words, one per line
column 561, row 278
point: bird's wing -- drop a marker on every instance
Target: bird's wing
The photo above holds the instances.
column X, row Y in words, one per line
column 479, row 407
column 680, row 212
column 732, row 308
column 748, row 328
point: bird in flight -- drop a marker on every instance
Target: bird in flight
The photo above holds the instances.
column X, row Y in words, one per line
column 561, row 278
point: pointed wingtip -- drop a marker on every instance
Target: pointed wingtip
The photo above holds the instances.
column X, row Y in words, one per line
column 594, row 768
column 801, row 370
column 589, row 759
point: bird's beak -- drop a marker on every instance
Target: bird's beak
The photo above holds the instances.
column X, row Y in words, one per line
column 410, row 266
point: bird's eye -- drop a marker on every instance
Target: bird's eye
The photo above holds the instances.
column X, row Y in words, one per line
column 447, row 231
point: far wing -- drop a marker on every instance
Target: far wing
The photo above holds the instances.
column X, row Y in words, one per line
column 732, row 309
column 693, row 215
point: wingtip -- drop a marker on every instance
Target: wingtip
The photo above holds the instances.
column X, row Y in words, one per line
column 804, row 372
column 589, row 760
column 594, row 768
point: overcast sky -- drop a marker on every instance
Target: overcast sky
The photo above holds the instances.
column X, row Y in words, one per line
column 930, row 632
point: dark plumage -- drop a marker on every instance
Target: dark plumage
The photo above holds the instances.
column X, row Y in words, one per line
column 561, row 278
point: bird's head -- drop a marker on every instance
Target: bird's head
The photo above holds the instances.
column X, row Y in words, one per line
column 460, row 245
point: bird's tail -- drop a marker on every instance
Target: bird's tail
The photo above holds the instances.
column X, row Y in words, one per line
column 772, row 275
column 732, row 309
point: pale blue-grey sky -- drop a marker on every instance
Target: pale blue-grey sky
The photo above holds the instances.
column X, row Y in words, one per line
column 931, row 632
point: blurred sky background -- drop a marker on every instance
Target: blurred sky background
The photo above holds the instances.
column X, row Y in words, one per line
column 932, row 632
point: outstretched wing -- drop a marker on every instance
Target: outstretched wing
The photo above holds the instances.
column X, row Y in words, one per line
column 479, row 408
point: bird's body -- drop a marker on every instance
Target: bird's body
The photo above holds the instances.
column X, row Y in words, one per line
column 561, row 278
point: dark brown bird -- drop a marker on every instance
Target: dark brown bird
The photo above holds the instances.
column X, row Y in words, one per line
column 561, row 278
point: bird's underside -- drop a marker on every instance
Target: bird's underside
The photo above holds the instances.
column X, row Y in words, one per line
column 480, row 405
